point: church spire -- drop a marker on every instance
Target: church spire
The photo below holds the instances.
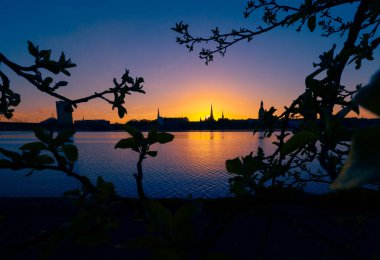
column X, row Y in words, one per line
column 211, row 114
column 158, row 113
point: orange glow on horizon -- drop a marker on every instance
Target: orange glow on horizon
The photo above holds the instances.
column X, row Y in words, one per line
column 192, row 101
column 199, row 110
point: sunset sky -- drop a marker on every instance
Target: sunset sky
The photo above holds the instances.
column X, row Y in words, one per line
column 105, row 37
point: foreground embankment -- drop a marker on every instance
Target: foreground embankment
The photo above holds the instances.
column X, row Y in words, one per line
column 271, row 225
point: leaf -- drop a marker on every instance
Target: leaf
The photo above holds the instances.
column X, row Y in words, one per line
column 152, row 136
column 52, row 66
column 60, row 84
column 13, row 155
column 152, row 153
column 67, row 73
column 126, row 143
column 163, row 138
column 355, row 108
column 250, row 164
column 8, row 114
column 35, row 146
column 16, row 99
column 42, row 135
column 44, row 159
column 33, row 50
column 335, row 129
column 237, row 186
column 298, row 140
column 71, row 152
column 62, row 58
column 369, row 95
column 45, row 54
column 234, row 166
column 130, row 130
column 121, row 111
column 64, row 136
column 363, row 164
column 311, row 22
column 5, row 163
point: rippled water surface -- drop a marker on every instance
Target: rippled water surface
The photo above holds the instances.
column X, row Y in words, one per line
column 193, row 164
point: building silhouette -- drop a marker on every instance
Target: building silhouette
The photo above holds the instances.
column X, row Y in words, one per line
column 172, row 122
column 261, row 111
column 211, row 117
column 160, row 120
column 64, row 115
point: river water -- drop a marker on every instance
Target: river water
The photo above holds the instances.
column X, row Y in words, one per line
column 192, row 165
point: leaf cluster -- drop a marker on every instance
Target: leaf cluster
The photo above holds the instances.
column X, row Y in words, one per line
column 8, row 98
column 121, row 89
column 362, row 166
column 250, row 173
column 140, row 144
column 170, row 235
column 92, row 224
column 50, row 152
column 325, row 102
column 274, row 14
column 43, row 62
column 46, row 151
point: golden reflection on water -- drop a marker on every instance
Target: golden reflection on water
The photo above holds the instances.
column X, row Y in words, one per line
column 202, row 151
column 224, row 143
column 194, row 163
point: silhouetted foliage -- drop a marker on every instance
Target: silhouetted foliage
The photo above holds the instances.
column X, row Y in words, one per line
column 49, row 152
column 188, row 231
column 321, row 136
column 58, row 152
column 43, row 62
column 140, row 144
column 275, row 14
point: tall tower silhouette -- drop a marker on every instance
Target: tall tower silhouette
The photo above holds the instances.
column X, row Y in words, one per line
column 211, row 118
column 160, row 120
column 261, row 111
column 64, row 116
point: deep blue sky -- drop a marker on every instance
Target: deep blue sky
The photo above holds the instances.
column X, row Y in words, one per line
column 104, row 37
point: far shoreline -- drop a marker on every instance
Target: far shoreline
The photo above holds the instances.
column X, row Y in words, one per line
column 248, row 125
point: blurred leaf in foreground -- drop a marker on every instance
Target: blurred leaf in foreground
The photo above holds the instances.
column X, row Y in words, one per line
column 369, row 96
column 363, row 163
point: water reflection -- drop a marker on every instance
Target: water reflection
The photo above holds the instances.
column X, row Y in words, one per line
column 194, row 163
